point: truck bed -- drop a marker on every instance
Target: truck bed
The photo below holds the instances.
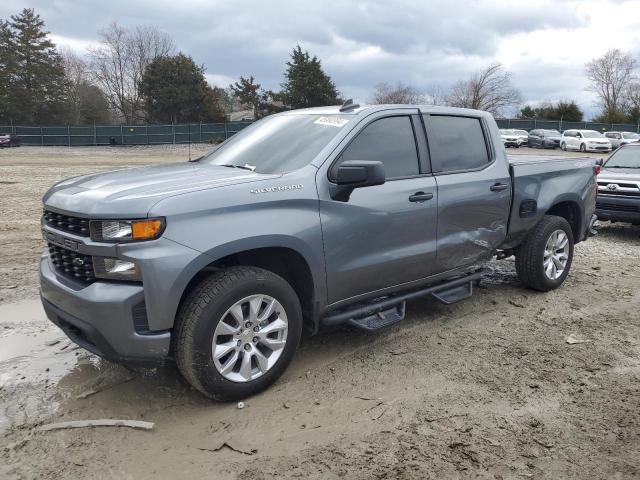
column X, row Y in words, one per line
column 540, row 181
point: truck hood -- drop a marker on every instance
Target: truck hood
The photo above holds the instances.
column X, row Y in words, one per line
column 631, row 174
column 132, row 192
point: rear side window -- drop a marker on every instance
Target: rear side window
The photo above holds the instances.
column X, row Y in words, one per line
column 456, row 143
column 390, row 141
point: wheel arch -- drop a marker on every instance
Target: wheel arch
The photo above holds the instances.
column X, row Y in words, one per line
column 304, row 273
column 570, row 210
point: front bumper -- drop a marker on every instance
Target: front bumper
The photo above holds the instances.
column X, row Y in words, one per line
column 603, row 148
column 618, row 209
column 101, row 317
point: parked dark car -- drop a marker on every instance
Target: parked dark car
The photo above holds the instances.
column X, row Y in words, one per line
column 544, row 138
column 10, row 140
column 619, row 186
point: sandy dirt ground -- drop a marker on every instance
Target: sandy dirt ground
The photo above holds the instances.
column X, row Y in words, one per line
column 486, row 388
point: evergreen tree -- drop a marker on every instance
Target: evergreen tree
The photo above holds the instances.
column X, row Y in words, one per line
column 36, row 86
column 248, row 93
column 175, row 91
column 567, row 111
column 306, row 83
column 7, row 68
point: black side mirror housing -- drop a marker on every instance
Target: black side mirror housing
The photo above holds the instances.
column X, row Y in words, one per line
column 353, row 174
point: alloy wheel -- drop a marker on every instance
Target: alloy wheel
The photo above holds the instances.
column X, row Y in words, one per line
column 556, row 254
column 249, row 338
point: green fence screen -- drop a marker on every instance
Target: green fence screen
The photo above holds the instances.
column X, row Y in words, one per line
column 69, row 135
column 525, row 124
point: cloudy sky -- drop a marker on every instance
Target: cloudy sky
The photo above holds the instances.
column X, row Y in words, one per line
column 423, row 43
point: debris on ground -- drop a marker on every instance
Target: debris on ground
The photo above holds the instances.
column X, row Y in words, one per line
column 231, row 445
column 103, row 422
column 572, row 340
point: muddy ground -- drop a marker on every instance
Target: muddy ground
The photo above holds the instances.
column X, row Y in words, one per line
column 485, row 388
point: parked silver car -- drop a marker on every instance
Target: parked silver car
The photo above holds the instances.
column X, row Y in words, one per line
column 618, row 139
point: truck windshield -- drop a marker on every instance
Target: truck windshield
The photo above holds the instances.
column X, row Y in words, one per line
column 278, row 144
column 628, row 157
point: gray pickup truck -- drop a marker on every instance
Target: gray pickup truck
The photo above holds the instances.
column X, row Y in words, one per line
column 324, row 216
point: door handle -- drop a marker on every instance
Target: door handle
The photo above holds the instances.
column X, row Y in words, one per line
column 498, row 187
column 420, row 197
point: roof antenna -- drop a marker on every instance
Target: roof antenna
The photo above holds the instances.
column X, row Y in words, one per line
column 349, row 105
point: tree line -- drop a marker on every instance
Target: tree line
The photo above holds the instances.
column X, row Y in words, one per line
column 135, row 75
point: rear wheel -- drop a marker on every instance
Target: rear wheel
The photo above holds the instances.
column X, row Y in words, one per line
column 583, row 148
column 563, row 146
column 543, row 261
column 237, row 332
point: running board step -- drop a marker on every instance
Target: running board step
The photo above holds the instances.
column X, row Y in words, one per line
column 380, row 319
column 392, row 307
column 455, row 294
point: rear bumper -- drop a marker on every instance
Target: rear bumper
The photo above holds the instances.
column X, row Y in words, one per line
column 101, row 318
column 618, row 209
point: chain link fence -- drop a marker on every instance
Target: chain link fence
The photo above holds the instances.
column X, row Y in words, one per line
column 69, row 135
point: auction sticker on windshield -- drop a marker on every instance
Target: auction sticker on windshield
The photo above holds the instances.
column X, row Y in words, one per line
column 332, row 121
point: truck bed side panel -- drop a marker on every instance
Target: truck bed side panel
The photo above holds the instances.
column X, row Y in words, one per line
column 540, row 184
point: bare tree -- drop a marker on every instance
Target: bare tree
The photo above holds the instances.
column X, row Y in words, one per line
column 435, row 95
column 119, row 63
column 76, row 72
column 490, row 90
column 609, row 78
column 397, row 94
column 633, row 96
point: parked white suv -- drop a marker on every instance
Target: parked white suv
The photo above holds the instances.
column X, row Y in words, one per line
column 585, row 141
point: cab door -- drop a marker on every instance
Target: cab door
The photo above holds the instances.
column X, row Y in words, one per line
column 474, row 190
column 382, row 236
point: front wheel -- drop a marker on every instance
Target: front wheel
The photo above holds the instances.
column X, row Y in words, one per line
column 237, row 332
column 544, row 259
column 563, row 147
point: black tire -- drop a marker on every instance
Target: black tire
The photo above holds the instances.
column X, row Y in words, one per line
column 204, row 308
column 563, row 147
column 530, row 255
column 583, row 148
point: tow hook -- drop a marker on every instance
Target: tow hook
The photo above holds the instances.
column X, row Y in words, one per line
column 592, row 229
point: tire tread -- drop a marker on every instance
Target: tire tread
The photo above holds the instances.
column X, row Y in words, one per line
column 192, row 310
column 527, row 256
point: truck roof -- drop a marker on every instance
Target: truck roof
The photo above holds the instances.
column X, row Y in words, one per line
column 335, row 110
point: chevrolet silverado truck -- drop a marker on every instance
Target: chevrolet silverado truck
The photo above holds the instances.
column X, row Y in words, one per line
column 309, row 218
column 619, row 186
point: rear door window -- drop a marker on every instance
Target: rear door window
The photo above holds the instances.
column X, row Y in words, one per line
column 456, row 143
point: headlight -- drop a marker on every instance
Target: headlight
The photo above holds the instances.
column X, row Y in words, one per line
column 126, row 230
column 115, row 269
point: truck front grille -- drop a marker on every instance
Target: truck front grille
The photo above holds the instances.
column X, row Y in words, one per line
column 66, row 223
column 617, row 208
column 72, row 264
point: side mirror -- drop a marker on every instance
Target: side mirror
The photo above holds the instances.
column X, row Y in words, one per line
column 354, row 174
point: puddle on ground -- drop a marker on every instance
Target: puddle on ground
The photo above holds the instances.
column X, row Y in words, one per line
column 44, row 375
column 35, row 356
